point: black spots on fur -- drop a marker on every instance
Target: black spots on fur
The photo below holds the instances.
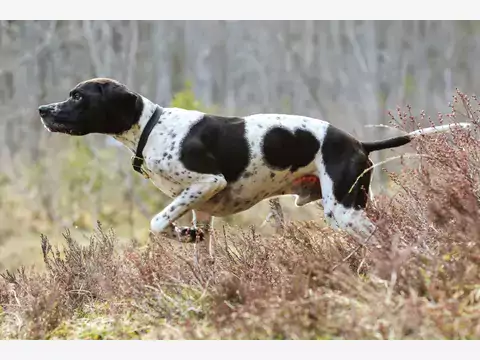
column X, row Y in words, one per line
column 285, row 149
column 164, row 154
column 260, row 126
column 329, row 214
column 247, row 174
column 272, row 175
column 169, row 157
column 345, row 160
column 216, row 145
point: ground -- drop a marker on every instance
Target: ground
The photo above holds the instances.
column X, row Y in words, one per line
column 420, row 281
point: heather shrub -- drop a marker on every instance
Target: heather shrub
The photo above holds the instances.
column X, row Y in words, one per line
column 420, row 279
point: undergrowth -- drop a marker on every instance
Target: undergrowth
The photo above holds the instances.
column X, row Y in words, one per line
column 420, row 279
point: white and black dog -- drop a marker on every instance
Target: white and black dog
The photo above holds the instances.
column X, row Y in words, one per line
column 224, row 165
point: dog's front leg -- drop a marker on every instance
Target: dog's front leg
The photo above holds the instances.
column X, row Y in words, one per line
column 202, row 190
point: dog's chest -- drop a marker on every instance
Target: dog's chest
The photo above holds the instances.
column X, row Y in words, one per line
column 161, row 165
column 167, row 185
column 162, row 151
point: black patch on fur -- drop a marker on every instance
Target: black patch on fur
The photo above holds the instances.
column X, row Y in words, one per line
column 345, row 159
column 386, row 144
column 284, row 149
column 216, row 145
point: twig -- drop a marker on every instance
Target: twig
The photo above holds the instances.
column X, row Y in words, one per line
column 407, row 156
column 386, row 126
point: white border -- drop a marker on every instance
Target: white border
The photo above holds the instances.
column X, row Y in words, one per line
column 238, row 10
column 241, row 350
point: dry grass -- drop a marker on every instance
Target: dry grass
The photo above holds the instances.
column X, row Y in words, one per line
column 421, row 282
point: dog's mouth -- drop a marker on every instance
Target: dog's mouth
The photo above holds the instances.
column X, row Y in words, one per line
column 45, row 125
column 58, row 127
column 55, row 120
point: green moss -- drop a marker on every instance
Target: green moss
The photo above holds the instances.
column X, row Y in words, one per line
column 62, row 331
column 99, row 328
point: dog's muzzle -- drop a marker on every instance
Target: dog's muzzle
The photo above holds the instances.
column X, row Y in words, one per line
column 47, row 115
column 45, row 111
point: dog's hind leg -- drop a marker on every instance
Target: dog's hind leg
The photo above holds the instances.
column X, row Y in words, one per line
column 204, row 223
column 276, row 212
column 343, row 202
column 211, row 238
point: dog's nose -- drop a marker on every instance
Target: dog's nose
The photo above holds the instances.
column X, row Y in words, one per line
column 44, row 110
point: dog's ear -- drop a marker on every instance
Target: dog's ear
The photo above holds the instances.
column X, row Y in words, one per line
column 123, row 107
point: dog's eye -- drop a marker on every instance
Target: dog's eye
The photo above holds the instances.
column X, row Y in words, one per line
column 77, row 97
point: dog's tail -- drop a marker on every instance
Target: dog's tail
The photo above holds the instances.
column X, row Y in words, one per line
column 405, row 139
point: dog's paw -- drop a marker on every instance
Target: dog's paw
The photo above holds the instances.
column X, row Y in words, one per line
column 190, row 234
column 182, row 234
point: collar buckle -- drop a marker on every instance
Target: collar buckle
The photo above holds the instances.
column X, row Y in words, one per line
column 137, row 159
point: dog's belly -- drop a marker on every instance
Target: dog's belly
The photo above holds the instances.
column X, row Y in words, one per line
column 241, row 196
column 229, row 202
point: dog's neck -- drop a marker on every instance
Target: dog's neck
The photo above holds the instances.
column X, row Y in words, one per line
column 131, row 137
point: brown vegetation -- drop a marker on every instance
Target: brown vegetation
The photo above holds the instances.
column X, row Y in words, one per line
column 421, row 282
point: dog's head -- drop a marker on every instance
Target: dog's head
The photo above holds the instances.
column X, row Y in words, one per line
column 99, row 105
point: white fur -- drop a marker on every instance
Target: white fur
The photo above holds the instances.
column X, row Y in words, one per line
column 439, row 129
column 212, row 194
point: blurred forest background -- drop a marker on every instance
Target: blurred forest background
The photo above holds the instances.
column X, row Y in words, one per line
column 349, row 73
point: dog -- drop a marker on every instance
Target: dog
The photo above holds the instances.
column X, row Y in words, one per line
column 223, row 165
